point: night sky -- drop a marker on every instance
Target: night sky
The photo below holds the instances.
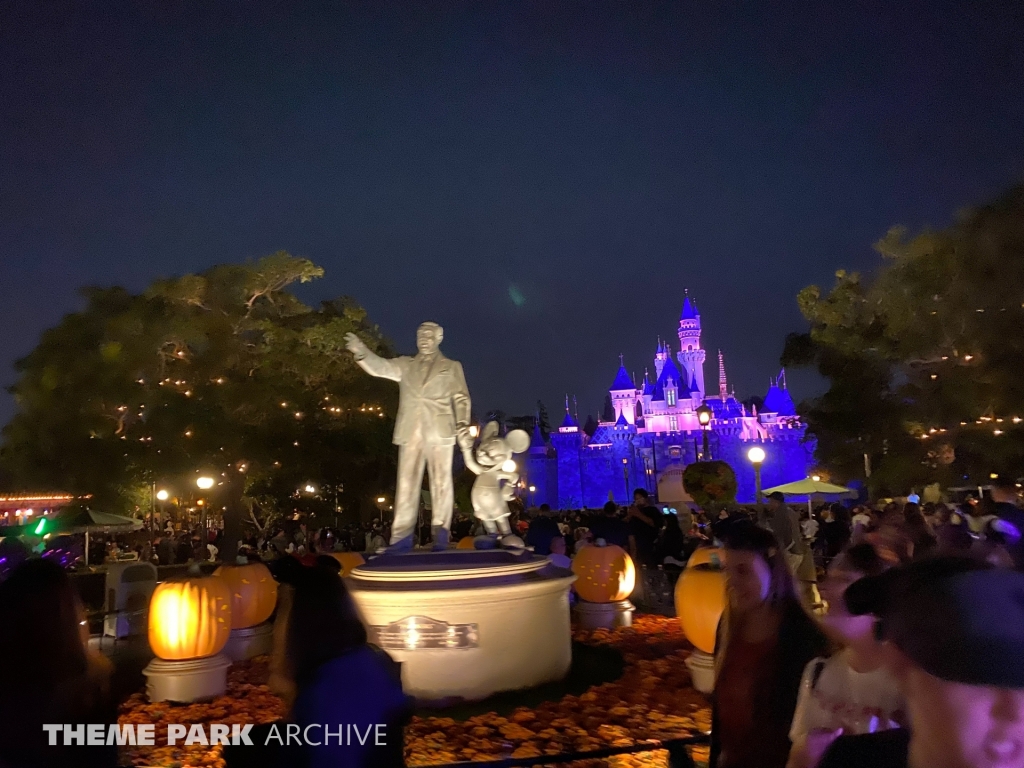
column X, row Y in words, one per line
column 544, row 179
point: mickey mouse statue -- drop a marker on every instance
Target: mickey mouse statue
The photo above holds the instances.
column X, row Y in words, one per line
column 497, row 477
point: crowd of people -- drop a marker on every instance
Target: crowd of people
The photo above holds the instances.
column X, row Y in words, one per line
column 910, row 651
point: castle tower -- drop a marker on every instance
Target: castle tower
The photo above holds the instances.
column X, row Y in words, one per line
column 723, row 384
column 660, row 357
column 623, row 395
column 691, row 356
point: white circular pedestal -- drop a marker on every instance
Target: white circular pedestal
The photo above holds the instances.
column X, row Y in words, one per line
column 702, row 671
column 604, row 615
column 465, row 623
column 187, row 681
column 249, row 642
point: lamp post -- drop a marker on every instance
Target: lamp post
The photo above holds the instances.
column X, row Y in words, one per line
column 204, row 483
column 625, row 477
column 756, row 456
column 533, row 497
column 704, row 419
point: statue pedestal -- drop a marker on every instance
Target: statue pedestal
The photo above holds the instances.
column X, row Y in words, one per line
column 465, row 623
column 250, row 641
column 702, row 671
column 187, row 681
column 604, row 615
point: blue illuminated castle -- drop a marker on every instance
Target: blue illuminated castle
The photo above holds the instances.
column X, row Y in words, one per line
column 655, row 434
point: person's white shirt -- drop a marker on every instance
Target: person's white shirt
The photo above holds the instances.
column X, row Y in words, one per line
column 809, row 528
column 861, row 518
column 832, row 695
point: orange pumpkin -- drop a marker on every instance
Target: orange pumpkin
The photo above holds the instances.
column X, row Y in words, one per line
column 190, row 617
column 466, row 542
column 700, row 598
column 605, row 573
column 348, row 560
column 253, row 593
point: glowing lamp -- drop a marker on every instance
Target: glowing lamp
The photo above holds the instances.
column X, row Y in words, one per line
column 381, row 499
column 703, row 415
column 253, row 593
column 474, row 430
column 508, row 466
column 605, row 573
column 533, row 488
column 756, row 454
column 700, row 598
column 162, row 495
column 204, row 483
column 190, row 617
column 310, row 488
column 816, row 478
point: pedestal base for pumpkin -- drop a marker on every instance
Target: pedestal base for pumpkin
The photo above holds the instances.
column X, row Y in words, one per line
column 249, row 642
column 467, row 623
column 604, row 615
column 702, row 671
column 187, row 681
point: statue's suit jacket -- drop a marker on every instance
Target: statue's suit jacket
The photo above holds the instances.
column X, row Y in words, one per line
column 435, row 399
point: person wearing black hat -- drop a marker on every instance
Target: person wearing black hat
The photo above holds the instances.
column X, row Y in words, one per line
column 953, row 632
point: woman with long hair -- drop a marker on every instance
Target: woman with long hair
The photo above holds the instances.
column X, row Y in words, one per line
column 765, row 640
column 339, row 678
column 849, row 692
column 61, row 681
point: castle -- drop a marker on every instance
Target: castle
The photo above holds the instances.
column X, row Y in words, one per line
column 656, row 433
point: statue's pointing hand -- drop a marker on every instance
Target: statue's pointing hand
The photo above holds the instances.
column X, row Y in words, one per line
column 356, row 346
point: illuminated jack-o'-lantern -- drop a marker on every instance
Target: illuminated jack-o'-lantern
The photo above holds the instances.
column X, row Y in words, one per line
column 190, row 617
column 700, row 598
column 253, row 593
column 348, row 560
column 605, row 573
column 466, row 542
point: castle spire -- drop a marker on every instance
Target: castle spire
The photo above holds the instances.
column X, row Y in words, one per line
column 723, row 385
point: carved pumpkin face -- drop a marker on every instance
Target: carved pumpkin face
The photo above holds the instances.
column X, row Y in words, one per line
column 700, row 598
column 190, row 617
column 253, row 593
column 348, row 560
column 605, row 573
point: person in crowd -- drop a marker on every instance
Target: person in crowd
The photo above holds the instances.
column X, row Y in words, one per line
column 850, row 691
column 1009, row 518
column 327, row 652
column 919, row 539
column 764, row 643
column 61, row 681
column 645, row 522
column 610, row 526
column 165, row 550
column 557, row 554
column 542, row 529
column 953, row 632
column 785, row 524
column 671, row 544
column 809, row 526
column 727, row 517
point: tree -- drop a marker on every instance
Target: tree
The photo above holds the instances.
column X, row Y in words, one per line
column 224, row 372
column 543, row 419
column 923, row 358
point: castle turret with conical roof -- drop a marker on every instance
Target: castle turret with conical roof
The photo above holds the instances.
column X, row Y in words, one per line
column 691, row 355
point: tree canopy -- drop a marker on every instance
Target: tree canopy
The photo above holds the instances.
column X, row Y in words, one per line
column 224, row 372
column 924, row 357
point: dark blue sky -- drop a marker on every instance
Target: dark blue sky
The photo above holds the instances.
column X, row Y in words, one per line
column 437, row 159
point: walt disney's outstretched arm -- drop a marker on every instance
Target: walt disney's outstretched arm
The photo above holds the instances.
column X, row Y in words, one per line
column 374, row 365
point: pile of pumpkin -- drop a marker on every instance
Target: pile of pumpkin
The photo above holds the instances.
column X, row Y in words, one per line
column 652, row 700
